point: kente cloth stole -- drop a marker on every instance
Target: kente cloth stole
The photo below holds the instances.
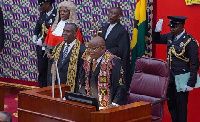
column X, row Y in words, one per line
column 103, row 77
column 72, row 68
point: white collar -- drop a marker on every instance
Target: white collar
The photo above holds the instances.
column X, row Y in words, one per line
column 112, row 25
column 49, row 13
column 59, row 28
column 178, row 36
column 71, row 44
column 98, row 59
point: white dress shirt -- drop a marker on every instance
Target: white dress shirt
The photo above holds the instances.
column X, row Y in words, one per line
column 49, row 13
column 69, row 46
column 178, row 36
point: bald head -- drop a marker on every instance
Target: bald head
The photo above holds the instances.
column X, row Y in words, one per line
column 98, row 41
column 5, row 117
column 96, row 47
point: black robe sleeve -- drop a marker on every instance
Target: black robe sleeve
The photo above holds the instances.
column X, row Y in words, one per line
column 117, row 85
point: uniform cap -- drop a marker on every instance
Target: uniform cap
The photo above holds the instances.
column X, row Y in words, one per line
column 174, row 20
column 40, row 2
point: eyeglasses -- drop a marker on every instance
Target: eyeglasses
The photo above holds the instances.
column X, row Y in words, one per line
column 94, row 48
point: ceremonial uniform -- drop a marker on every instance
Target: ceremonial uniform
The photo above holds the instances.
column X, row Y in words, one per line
column 42, row 26
column 182, row 55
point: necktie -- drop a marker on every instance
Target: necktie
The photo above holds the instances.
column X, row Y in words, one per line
column 65, row 52
column 94, row 64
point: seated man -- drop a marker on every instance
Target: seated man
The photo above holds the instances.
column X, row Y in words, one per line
column 68, row 57
column 102, row 75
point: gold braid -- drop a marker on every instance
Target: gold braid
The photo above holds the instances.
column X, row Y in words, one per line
column 44, row 30
column 72, row 68
column 172, row 49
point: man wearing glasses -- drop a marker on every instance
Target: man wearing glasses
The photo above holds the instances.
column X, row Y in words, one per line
column 182, row 55
column 102, row 75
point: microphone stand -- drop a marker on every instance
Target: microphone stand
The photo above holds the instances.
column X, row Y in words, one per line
column 58, row 77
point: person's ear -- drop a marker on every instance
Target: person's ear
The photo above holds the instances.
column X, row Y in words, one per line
column 119, row 17
column 75, row 33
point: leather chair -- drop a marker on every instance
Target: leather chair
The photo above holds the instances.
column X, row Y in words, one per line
column 149, row 83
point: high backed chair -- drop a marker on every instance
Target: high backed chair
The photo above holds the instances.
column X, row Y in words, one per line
column 149, row 83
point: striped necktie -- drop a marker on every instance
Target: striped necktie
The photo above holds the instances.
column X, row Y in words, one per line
column 65, row 52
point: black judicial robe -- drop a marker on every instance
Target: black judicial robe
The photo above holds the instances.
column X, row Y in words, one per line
column 118, row 43
column 63, row 67
column 117, row 91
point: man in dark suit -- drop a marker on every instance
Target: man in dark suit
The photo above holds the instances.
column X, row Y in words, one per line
column 101, row 75
column 182, row 55
column 68, row 57
column 2, row 34
column 46, row 19
column 117, row 41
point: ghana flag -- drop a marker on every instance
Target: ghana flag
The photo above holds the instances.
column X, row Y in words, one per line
column 139, row 32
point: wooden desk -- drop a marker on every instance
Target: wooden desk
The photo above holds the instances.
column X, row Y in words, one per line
column 37, row 105
column 1, row 97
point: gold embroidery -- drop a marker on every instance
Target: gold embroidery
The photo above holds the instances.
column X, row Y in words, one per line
column 56, row 55
column 181, row 55
column 44, row 30
column 72, row 68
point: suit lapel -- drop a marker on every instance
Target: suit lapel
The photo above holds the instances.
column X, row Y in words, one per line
column 113, row 31
column 61, row 57
column 104, row 30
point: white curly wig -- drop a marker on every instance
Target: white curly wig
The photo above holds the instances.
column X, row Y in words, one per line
column 72, row 16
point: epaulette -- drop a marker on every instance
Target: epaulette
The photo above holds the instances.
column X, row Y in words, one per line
column 193, row 39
